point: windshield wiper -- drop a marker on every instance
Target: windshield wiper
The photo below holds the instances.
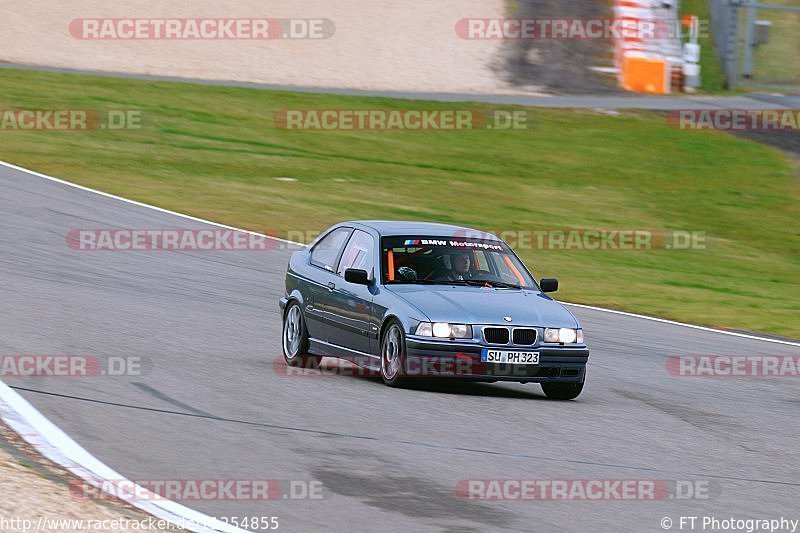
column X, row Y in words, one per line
column 490, row 282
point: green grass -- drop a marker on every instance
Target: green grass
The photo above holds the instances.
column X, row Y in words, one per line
column 712, row 76
column 778, row 61
column 214, row 152
column 775, row 63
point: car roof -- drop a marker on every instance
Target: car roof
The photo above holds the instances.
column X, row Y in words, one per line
column 426, row 229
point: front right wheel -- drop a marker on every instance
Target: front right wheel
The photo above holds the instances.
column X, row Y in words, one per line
column 562, row 391
column 393, row 349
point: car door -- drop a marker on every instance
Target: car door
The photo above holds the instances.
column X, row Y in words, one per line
column 350, row 304
column 323, row 257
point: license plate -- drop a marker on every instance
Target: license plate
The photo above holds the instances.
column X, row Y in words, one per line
column 516, row 358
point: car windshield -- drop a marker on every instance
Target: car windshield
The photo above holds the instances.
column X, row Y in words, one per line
column 452, row 261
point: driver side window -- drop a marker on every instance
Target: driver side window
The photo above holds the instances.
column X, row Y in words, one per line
column 326, row 251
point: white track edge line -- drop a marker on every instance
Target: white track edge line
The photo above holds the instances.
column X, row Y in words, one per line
column 60, row 448
column 674, row 323
column 196, row 219
column 141, row 204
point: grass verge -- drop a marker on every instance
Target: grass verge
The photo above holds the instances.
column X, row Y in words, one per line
column 712, row 76
column 214, row 152
column 776, row 63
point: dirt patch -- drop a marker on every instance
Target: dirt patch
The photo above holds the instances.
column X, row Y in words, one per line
column 376, row 45
column 564, row 65
column 34, row 489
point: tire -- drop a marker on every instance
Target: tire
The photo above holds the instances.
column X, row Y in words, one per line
column 393, row 349
column 294, row 339
column 562, row 391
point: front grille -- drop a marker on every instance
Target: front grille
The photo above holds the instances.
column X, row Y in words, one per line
column 495, row 335
column 524, row 336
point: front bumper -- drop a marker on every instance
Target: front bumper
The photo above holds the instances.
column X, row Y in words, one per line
column 451, row 359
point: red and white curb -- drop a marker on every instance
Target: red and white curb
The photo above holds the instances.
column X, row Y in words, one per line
column 57, row 446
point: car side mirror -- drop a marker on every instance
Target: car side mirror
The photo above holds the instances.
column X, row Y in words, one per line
column 549, row 284
column 355, row 275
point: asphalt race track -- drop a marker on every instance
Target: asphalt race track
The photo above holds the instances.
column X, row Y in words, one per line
column 212, row 405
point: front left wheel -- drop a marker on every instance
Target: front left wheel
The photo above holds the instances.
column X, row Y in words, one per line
column 295, row 339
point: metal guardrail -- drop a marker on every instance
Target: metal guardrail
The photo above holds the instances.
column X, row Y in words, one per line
column 769, row 6
column 736, row 36
column 725, row 25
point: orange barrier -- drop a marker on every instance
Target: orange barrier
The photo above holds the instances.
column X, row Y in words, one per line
column 646, row 75
column 646, row 64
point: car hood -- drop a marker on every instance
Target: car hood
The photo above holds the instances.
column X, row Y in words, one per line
column 479, row 305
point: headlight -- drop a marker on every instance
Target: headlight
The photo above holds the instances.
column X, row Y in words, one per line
column 425, row 329
column 444, row 330
column 563, row 335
